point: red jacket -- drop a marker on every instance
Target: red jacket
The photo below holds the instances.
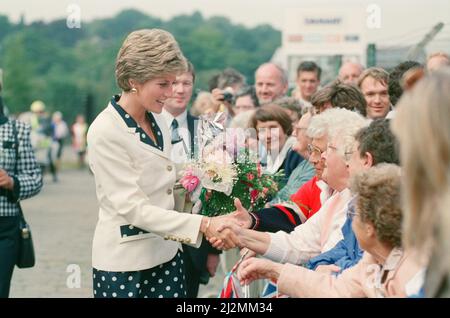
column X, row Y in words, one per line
column 307, row 198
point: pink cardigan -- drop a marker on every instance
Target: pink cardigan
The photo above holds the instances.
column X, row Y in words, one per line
column 365, row 279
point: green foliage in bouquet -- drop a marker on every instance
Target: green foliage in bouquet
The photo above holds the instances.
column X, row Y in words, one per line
column 251, row 187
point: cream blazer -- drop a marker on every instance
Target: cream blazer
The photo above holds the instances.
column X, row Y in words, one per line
column 137, row 227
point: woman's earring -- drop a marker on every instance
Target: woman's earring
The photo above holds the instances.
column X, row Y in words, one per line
column 134, row 90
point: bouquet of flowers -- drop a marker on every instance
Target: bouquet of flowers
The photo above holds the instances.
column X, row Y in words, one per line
column 226, row 169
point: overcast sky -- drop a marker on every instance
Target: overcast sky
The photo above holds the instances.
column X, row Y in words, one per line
column 401, row 20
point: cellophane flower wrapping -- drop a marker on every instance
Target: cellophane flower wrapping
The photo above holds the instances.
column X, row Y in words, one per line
column 226, row 169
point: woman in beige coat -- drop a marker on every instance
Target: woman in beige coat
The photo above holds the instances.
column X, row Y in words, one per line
column 137, row 249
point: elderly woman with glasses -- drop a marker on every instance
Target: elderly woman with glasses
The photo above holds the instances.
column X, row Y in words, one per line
column 385, row 270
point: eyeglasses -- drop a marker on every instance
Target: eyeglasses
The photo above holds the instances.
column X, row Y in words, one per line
column 314, row 150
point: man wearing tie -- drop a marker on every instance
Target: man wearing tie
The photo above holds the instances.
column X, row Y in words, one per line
column 199, row 263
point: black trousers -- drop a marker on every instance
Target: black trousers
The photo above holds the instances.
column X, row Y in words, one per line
column 192, row 277
column 9, row 249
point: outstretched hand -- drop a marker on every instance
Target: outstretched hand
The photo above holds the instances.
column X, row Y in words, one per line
column 256, row 268
column 241, row 215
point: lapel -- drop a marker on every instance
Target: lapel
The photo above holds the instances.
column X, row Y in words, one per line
column 280, row 159
column 137, row 138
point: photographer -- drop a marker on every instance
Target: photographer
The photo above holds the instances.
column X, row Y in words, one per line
column 229, row 82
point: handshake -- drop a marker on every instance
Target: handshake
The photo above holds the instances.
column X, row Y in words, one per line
column 227, row 231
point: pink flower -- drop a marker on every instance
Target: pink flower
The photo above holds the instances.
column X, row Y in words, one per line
column 189, row 182
column 265, row 190
column 250, row 176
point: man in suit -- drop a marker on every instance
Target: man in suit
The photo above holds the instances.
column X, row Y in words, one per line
column 201, row 263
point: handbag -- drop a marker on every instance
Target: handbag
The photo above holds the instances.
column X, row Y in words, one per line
column 25, row 257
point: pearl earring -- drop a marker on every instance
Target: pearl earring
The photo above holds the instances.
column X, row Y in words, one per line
column 134, row 90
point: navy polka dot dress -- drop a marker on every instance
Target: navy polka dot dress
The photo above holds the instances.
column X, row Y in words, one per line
column 163, row 281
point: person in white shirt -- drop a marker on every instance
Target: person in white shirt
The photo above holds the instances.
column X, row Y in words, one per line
column 181, row 124
column 274, row 128
column 200, row 263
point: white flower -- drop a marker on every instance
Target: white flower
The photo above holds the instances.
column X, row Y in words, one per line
column 218, row 172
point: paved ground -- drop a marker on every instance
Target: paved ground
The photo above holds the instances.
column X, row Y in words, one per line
column 62, row 218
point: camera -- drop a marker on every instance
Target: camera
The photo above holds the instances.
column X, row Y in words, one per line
column 228, row 97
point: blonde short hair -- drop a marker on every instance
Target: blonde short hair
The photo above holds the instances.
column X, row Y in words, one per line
column 147, row 54
column 377, row 73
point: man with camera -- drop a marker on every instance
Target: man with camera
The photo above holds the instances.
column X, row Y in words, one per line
column 229, row 82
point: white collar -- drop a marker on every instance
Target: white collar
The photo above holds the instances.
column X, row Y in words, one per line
column 168, row 118
column 274, row 164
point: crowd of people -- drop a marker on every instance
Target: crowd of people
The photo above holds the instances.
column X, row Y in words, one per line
column 50, row 134
column 362, row 210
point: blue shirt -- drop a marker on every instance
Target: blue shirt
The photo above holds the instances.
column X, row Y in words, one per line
column 345, row 254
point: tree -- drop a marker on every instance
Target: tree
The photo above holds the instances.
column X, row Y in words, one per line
column 62, row 66
column 18, row 72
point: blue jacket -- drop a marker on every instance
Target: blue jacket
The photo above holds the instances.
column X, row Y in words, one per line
column 293, row 159
column 345, row 254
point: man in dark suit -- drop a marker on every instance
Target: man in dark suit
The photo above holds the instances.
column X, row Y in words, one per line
column 200, row 263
